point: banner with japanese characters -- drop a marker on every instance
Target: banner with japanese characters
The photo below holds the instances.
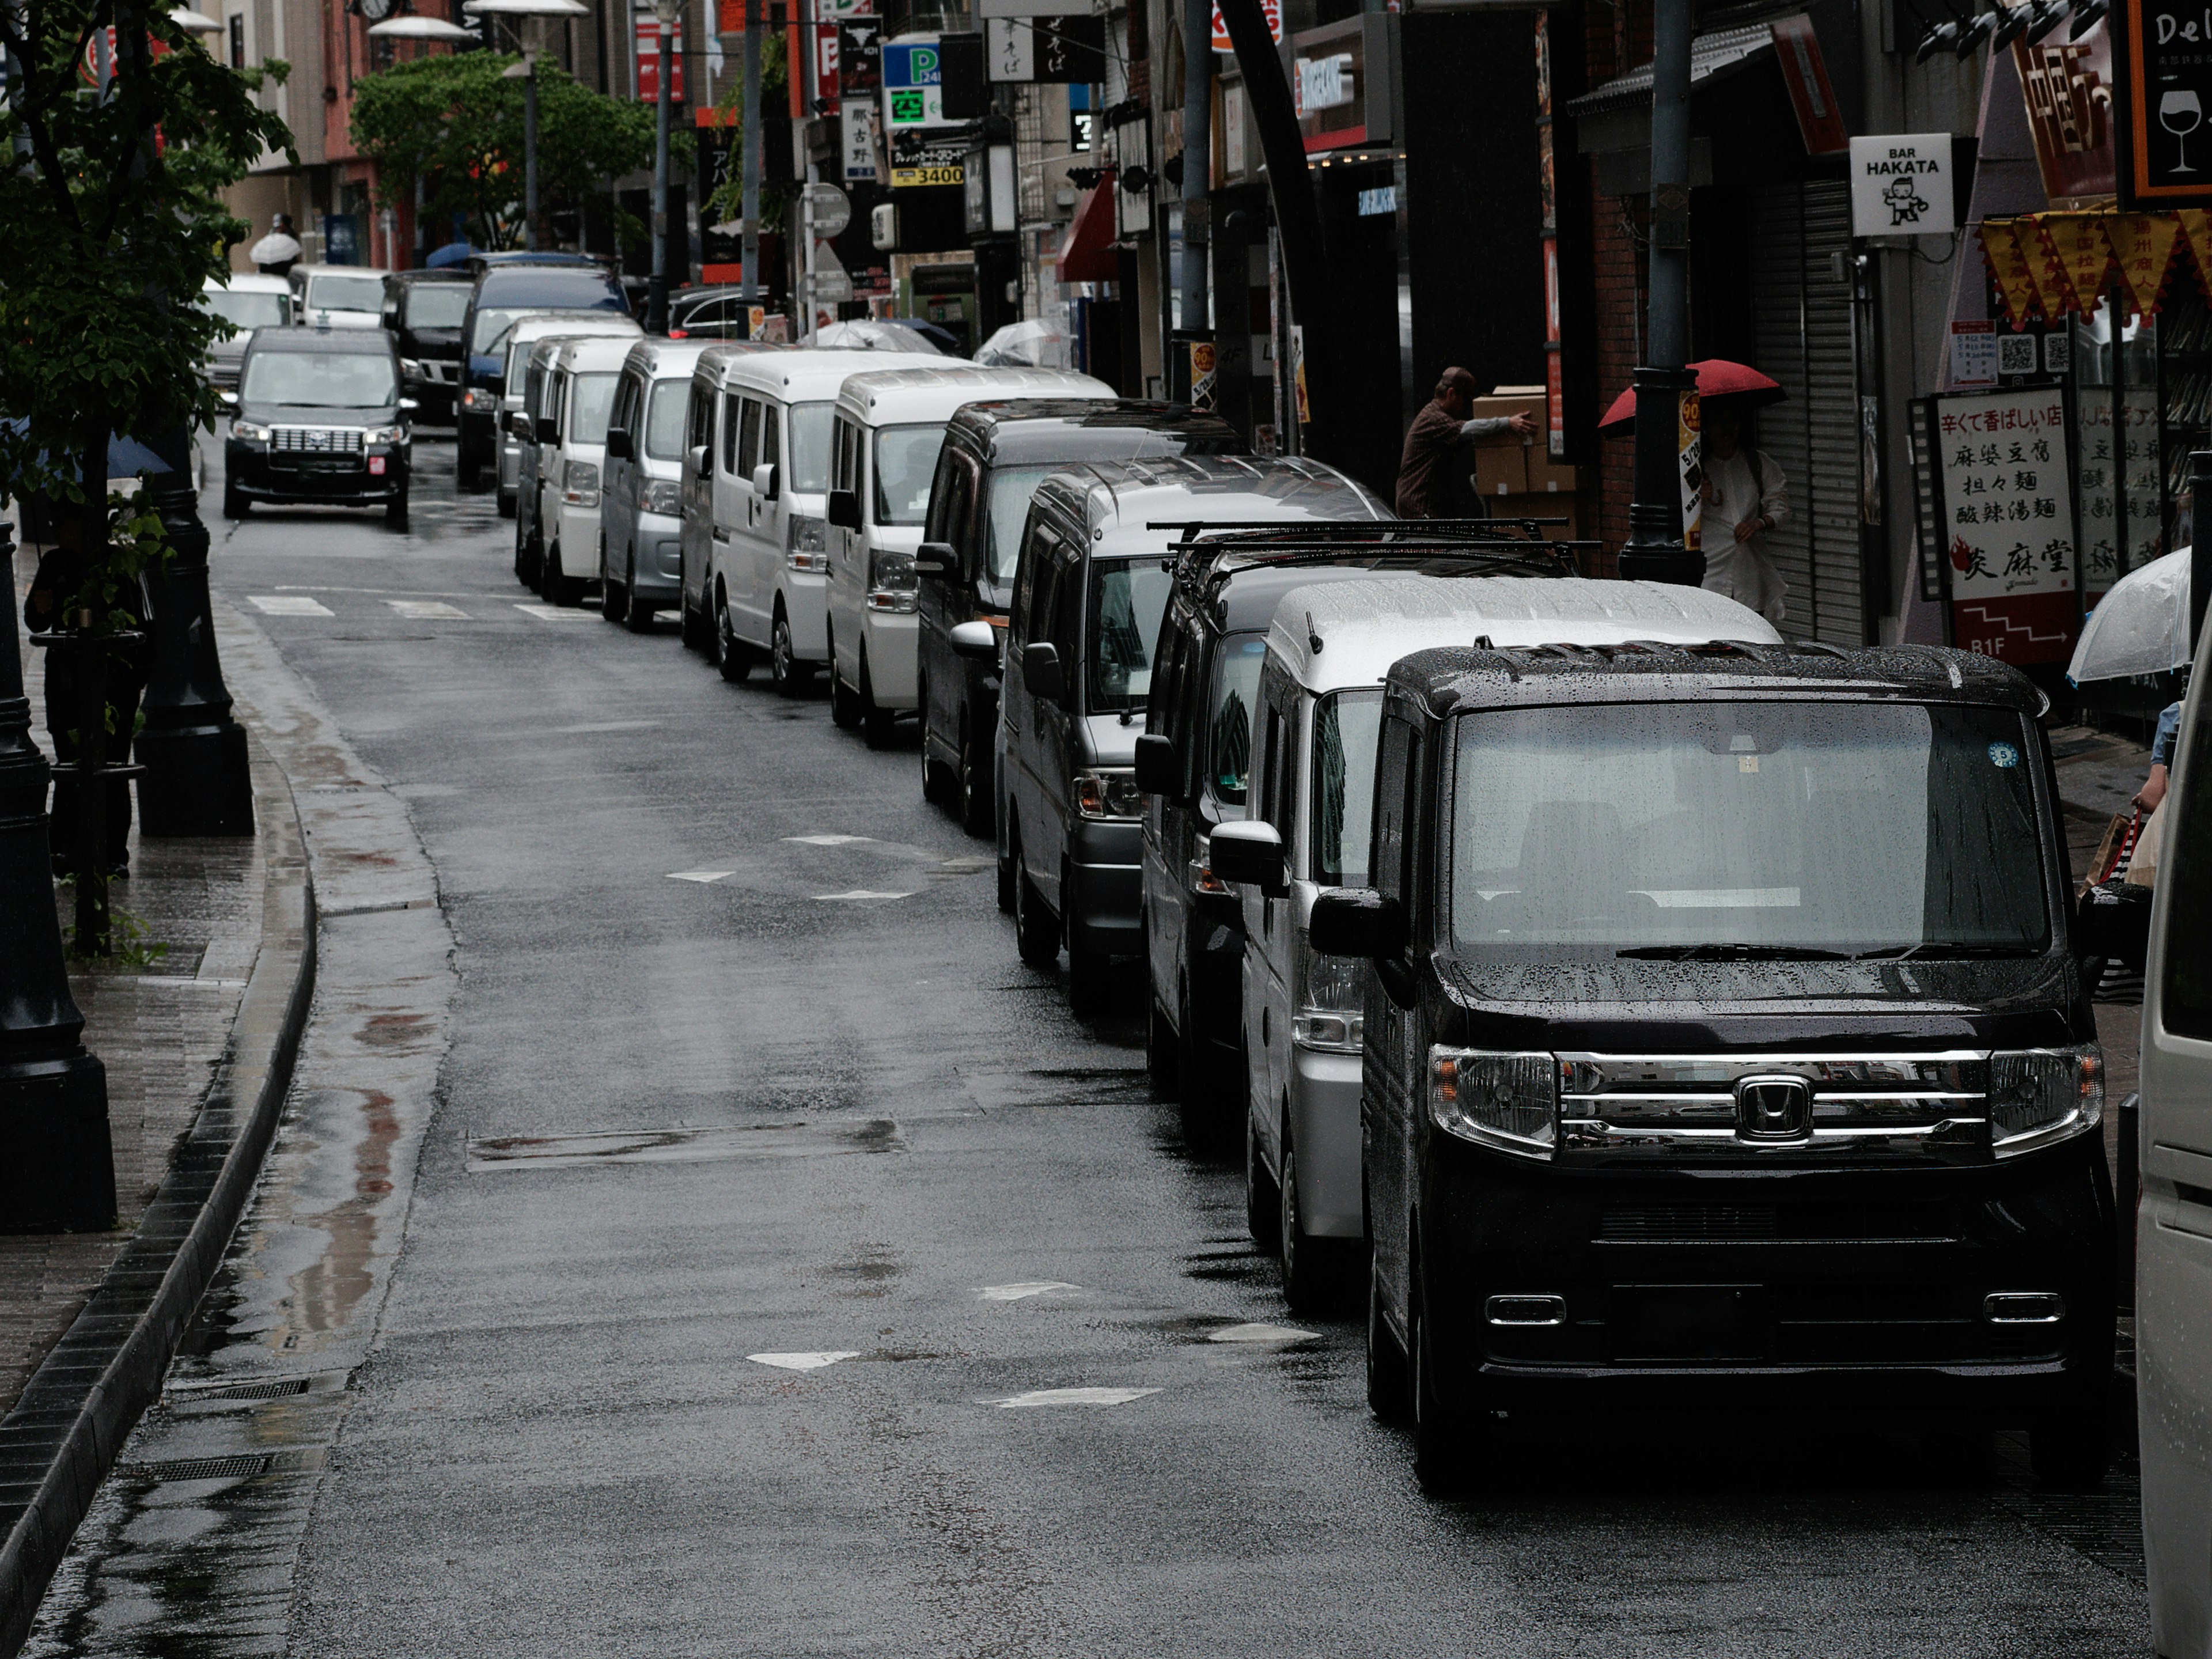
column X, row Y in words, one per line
column 2007, row 518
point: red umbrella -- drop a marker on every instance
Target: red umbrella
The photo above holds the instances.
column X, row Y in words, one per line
column 1717, row 378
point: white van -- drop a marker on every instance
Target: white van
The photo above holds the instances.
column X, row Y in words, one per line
column 516, row 346
column 641, row 491
column 246, row 301
column 756, row 551
column 338, row 296
column 572, row 438
column 2174, row 1221
column 1313, row 735
column 889, row 429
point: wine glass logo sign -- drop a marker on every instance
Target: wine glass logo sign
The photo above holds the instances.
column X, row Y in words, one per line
column 2180, row 114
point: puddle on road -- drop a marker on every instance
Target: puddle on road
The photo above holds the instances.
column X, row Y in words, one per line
column 765, row 1141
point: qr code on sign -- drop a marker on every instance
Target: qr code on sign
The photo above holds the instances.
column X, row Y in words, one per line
column 2016, row 354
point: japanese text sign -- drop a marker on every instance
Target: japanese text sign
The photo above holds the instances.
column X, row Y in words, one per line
column 2008, row 523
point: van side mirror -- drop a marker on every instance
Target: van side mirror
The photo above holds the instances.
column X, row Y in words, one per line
column 698, row 461
column 1249, row 853
column 1159, row 771
column 618, row 448
column 228, row 399
column 765, row 481
column 844, row 509
column 517, row 426
column 978, row 641
column 1042, row 672
column 549, row 429
column 938, row 560
column 1353, row 922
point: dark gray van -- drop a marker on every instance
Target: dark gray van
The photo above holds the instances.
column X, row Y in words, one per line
column 1725, row 1050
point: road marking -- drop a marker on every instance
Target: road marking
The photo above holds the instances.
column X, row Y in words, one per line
column 804, row 1362
column 828, row 841
column 764, row 1140
column 1261, row 1333
column 429, row 610
column 1071, row 1397
column 856, row 894
column 967, row 867
column 700, row 875
column 606, row 726
column 553, row 613
column 288, row 605
column 1028, row 1288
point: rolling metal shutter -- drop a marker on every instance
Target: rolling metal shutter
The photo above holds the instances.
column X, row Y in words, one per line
column 1802, row 323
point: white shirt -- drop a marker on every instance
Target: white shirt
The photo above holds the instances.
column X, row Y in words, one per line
column 1734, row 493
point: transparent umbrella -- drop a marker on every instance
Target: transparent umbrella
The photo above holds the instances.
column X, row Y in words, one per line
column 872, row 336
column 1032, row 343
column 2140, row 627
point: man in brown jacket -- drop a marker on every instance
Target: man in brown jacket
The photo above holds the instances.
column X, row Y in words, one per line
column 1432, row 473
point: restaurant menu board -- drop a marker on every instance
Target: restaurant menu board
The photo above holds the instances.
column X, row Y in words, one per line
column 2005, row 507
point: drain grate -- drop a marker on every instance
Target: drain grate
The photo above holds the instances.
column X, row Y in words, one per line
column 191, row 1390
column 246, row 1390
column 238, row 1466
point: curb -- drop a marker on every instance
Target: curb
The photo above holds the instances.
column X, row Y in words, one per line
column 58, row 1443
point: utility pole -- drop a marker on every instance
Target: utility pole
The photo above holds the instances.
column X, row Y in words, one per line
column 1197, row 170
column 1666, row 420
column 749, row 205
column 656, row 303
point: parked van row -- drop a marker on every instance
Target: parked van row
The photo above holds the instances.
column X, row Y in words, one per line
column 1615, row 1001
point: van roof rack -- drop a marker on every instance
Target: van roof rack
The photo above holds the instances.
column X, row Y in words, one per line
column 1197, row 556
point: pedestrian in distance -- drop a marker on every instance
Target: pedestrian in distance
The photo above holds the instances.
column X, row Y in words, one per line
column 274, row 255
column 1432, row 473
column 1746, row 496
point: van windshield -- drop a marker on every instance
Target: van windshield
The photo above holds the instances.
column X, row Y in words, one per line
column 906, row 465
column 591, row 399
column 437, row 305
column 809, row 456
column 1345, row 727
column 1229, row 715
column 1011, row 487
column 1746, row 830
column 1128, row 598
column 664, row 419
column 250, row 308
column 345, row 291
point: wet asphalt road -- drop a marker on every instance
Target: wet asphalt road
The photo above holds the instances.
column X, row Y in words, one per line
column 559, row 1436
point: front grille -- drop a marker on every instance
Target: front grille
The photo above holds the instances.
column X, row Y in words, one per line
column 444, row 373
column 316, row 441
column 1773, row 1224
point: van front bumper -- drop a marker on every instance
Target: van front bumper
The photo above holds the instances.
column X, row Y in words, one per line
column 1866, row 1287
column 1104, row 893
column 892, row 642
column 1325, row 1124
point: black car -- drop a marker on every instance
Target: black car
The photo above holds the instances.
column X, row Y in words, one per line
column 1725, row 1049
column 717, row 312
column 424, row 311
column 505, row 290
column 318, row 417
column 995, row 455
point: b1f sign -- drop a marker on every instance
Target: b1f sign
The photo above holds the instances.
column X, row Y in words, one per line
column 1901, row 186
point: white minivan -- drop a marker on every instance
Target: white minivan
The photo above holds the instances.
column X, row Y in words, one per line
column 1311, row 792
column 642, row 484
column 2174, row 1221
column 888, row 428
column 756, row 552
column 572, row 436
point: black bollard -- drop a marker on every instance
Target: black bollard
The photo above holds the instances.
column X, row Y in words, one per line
column 58, row 1171
column 197, row 781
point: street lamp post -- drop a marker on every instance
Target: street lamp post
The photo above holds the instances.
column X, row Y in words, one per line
column 1656, row 550
column 533, row 14
column 656, row 303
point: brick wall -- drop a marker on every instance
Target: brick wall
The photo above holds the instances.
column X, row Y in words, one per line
column 1614, row 42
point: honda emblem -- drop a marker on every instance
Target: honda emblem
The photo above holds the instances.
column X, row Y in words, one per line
column 1773, row 1109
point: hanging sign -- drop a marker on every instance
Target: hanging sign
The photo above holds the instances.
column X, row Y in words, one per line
column 1048, row 50
column 914, row 84
column 2143, row 244
column 2164, row 90
column 860, row 56
column 648, row 59
column 859, row 142
column 1819, row 121
column 917, row 163
column 2066, row 86
column 1272, row 8
column 1901, row 186
column 2005, row 507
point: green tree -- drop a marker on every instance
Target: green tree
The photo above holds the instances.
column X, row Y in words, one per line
column 726, row 205
column 455, row 123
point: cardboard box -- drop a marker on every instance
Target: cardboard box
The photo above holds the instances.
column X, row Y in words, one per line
column 1513, row 400
column 1550, row 477
column 1500, row 468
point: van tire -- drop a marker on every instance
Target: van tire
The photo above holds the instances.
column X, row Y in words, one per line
column 1208, row 1124
column 1390, row 1385
column 555, row 583
column 792, row 676
column 974, row 785
column 614, row 597
column 878, row 725
column 2071, row 1449
column 733, row 656
column 1447, row 1429
column 1090, row 978
column 1160, row 1050
column 1310, row 1264
column 936, row 789
column 1263, row 1201
column 844, row 706
column 1037, row 930
column 235, row 504
column 638, row 619
column 395, row 511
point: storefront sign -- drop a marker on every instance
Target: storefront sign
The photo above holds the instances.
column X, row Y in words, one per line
column 2165, row 89
column 2067, row 87
column 1050, row 50
column 859, row 142
column 914, row 88
column 860, row 56
column 1819, row 121
column 1274, row 8
column 915, row 164
column 1341, row 83
column 1901, row 186
column 2006, row 507
column 648, row 59
column 1973, row 355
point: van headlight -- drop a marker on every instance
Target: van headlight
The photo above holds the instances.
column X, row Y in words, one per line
column 1507, row 1101
column 890, row 580
column 1108, row 792
column 1333, row 993
column 663, row 496
column 249, row 432
column 806, row 544
column 480, row 400
column 384, row 434
column 580, row 484
column 2038, row 1096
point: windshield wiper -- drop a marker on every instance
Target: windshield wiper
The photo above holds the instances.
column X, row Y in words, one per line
column 1732, row 950
column 1937, row 947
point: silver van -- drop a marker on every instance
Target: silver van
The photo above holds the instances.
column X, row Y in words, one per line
column 1311, row 792
column 515, row 347
column 641, row 497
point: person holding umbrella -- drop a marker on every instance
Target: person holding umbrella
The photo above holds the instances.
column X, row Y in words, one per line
column 274, row 255
column 1746, row 496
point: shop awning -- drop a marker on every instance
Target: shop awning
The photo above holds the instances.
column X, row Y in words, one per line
column 1720, row 52
column 1087, row 255
column 2049, row 263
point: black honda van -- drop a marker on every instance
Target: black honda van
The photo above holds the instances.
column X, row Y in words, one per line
column 1725, row 1051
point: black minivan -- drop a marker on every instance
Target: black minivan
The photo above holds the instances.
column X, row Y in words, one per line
column 516, row 287
column 994, row 456
column 318, row 417
column 424, row 311
column 1725, row 1048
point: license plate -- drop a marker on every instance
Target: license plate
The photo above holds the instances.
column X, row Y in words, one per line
column 376, row 467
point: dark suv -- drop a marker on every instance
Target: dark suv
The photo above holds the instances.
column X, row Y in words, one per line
column 423, row 310
column 504, row 292
column 1725, row 1050
column 318, row 417
column 994, row 456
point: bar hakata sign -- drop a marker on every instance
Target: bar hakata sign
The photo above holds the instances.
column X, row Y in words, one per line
column 2007, row 509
